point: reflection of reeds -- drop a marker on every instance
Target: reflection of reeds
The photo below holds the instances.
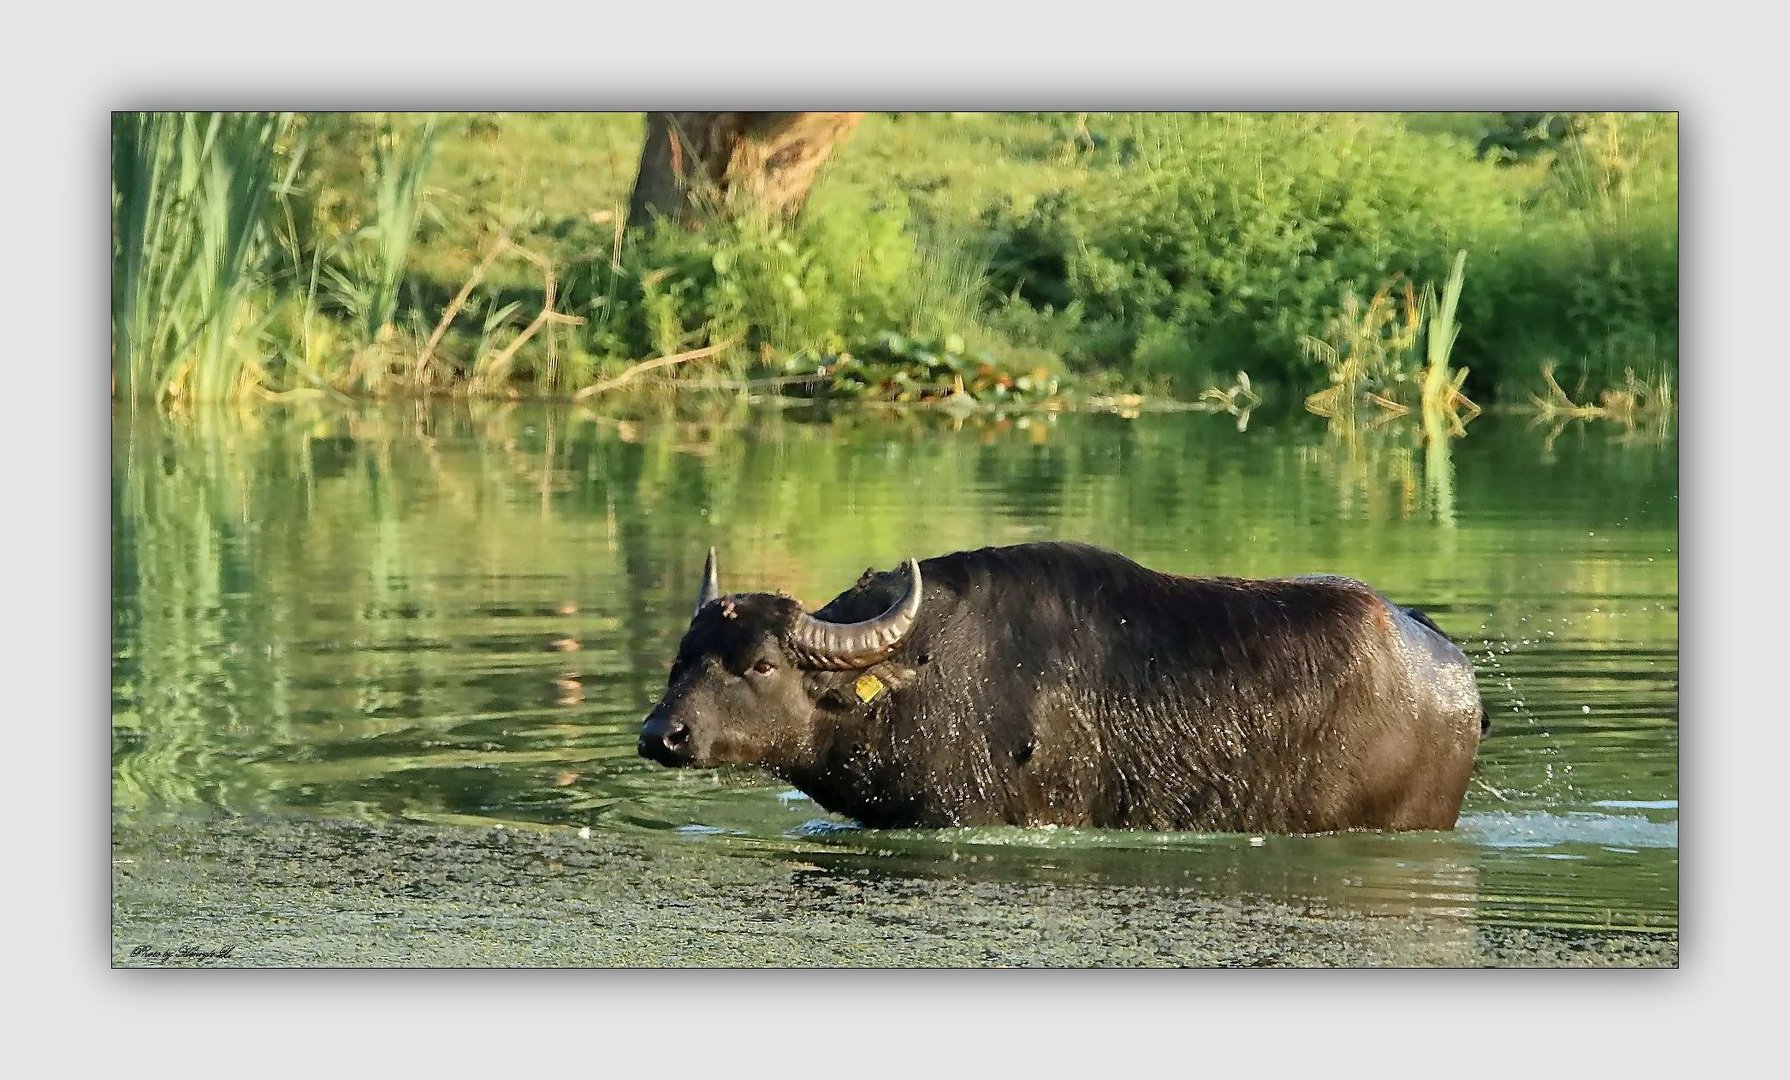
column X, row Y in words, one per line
column 1372, row 470
column 180, row 499
column 1438, row 463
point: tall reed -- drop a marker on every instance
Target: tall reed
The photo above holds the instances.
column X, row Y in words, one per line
column 1443, row 330
column 189, row 248
column 376, row 255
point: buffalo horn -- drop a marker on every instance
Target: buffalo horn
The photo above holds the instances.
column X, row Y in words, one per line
column 844, row 646
column 711, row 586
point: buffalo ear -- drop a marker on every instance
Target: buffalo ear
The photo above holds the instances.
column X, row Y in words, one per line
column 846, row 690
column 894, row 676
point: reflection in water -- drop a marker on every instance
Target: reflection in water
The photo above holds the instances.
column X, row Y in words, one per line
column 1439, row 429
column 459, row 614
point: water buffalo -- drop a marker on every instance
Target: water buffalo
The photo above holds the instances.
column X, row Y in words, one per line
column 1058, row 683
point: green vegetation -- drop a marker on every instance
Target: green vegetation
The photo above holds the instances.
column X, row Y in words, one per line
column 190, row 291
column 1373, row 355
column 1161, row 253
column 374, row 257
column 897, row 368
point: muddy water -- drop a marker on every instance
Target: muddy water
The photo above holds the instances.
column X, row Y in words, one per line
column 457, row 616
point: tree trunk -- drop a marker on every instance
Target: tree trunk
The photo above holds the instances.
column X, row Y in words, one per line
column 731, row 163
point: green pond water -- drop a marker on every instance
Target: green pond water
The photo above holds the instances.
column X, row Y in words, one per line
column 460, row 614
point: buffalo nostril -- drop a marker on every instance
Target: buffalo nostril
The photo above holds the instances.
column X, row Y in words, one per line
column 667, row 741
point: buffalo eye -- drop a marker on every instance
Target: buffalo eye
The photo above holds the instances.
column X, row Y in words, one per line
column 763, row 667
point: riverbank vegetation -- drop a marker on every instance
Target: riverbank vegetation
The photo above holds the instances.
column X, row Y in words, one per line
column 939, row 257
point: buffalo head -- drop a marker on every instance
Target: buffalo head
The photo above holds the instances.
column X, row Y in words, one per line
column 756, row 677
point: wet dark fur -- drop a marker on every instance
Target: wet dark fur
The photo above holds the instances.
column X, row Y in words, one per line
column 1065, row 684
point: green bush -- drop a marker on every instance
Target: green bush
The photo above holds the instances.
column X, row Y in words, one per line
column 847, row 271
column 1589, row 278
column 1229, row 238
column 1214, row 243
column 1598, row 296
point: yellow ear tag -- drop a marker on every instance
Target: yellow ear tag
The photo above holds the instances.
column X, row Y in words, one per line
column 868, row 686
